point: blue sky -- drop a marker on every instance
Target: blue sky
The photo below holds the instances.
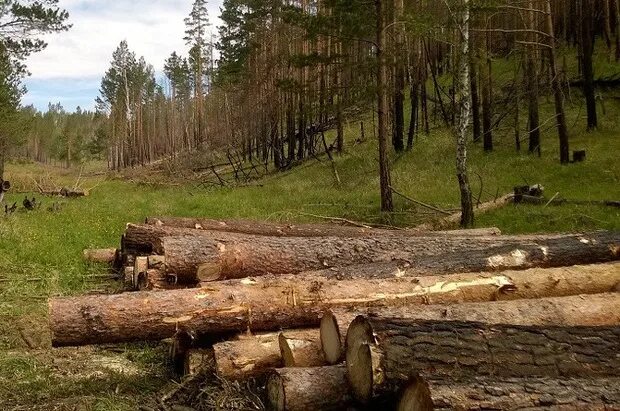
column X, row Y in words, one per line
column 69, row 71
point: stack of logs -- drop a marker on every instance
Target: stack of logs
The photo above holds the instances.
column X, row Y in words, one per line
column 337, row 315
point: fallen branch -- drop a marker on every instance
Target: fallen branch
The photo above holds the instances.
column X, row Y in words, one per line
column 420, row 203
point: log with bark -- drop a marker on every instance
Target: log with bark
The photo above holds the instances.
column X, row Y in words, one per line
column 299, row 230
column 580, row 310
column 505, row 393
column 303, row 389
column 224, row 256
column 272, row 303
column 104, row 255
column 383, row 354
column 301, row 349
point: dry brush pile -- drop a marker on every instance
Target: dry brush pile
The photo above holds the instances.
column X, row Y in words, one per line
column 334, row 316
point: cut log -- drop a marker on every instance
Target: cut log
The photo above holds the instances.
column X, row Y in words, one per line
column 581, row 310
column 303, row 389
column 156, row 280
column 301, row 349
column 495, row 393
column 225, row 256
column 298, row 230
column 383, row 354
column 273, row 303
column 254, row 355
column 104, row 255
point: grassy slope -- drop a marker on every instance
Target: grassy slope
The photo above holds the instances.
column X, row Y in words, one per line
column 40, row 252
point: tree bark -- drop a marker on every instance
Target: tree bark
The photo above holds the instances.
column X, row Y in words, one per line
column 587, row 47
column 301, row 349
column 273, row 303
column 572, row 394
column 286, row 230
column 532, row 85
column 225, row 256
column 385, row 178
column 303, row 389
column 581, row 310
column 384, row 354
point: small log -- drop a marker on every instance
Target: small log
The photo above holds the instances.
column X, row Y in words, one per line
column 303, row 389
column 383, row 355
column 501, row 393
column 141, row 266
column 297, row 230
column 104, row 255
column 225, row 256
column 572, row 311
column 273, row 303
column 301, row 349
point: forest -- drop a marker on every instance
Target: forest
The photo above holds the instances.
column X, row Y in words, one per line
column 315, row 205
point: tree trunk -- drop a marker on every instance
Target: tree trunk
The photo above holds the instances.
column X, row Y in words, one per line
column 281, row 229
column 557, row 90
column 464, row 98
column 226, row 256
column 384, row 354
column 303, row 389
column 591, row 310
column 494, row 393
column 273, row 303
column 385, row 178
column 301, row 349
column 532, row 86
column 587, row 46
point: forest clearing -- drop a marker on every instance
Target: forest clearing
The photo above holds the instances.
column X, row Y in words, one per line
column 310, row 205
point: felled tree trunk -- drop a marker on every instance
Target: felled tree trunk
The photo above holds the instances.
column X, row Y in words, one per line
column 224, row 256
column 105, row 255
column 303, row 389
column 573, row 311
column 272, row 303
column 567, row 394
column 383, row 354
column 301, row 349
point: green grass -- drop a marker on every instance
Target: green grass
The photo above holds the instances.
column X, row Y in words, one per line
column 40, row 251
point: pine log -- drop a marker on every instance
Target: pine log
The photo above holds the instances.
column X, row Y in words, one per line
column 254, row 355
column 273, row 303
column 305, row 389
column 299, row 230
column 301, row 349
column 225, row 256
column 497, row 393
column 581, row 310
column 104, row 255
column 383, row 354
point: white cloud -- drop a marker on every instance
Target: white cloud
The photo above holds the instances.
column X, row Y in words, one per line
column 153, row 29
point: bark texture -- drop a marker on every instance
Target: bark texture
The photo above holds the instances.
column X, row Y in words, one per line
column 304, row 389
column 572, row 311
column 248, row 356
column 384, row 354
column 224, row 256
column 272, row 303
column 494, row 393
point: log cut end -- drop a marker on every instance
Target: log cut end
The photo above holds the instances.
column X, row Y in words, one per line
column 416, row 397
column 276, row 392
column 331, row 340
column 359, row 359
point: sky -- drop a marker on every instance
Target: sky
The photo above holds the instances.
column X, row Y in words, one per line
column 70, row 69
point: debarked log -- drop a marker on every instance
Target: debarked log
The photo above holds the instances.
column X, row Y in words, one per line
column 273, row 303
